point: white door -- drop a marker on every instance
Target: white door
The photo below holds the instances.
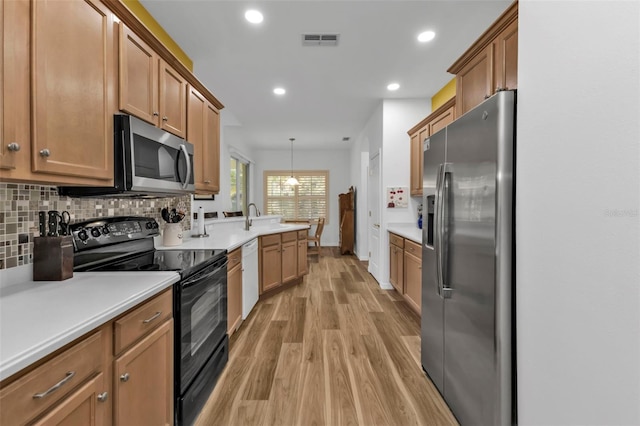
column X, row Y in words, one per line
column 374, row 190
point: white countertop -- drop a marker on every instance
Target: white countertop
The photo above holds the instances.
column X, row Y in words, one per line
column 406, row 230
column 37, row 318
column 229, row 239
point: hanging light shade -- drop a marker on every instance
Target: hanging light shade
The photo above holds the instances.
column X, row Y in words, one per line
column 292, row 181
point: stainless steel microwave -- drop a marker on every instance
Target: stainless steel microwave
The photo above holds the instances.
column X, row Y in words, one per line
column 148, row 161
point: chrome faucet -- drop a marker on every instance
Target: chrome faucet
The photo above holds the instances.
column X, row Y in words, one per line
column 247, row 221
column 249, row 209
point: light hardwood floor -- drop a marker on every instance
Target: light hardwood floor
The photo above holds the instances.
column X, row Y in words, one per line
column 334, row 350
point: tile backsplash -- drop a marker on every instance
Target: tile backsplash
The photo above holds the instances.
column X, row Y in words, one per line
column 20, row 204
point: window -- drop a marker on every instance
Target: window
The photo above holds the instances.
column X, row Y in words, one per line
column 239, row 188
column 309, row 200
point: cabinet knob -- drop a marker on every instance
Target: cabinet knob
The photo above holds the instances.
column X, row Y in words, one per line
column 207, row 181
column 102, row 397
column 165, row 118
column 13, row 146
column 45, row 152
column 124, row 377
column 155, row 114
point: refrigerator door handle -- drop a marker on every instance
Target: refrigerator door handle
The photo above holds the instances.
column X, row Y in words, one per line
column 438, row 228
column 443, row 228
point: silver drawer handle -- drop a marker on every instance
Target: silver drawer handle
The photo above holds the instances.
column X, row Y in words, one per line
column 102, row 397
column 45, row 152
column 124, row 377
column 55, row 387
column 148, row 320
column 14, row 147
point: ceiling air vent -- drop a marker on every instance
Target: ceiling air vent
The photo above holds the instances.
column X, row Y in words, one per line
column 320, row 39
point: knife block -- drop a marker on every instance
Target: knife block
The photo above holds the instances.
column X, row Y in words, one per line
column 52, row 258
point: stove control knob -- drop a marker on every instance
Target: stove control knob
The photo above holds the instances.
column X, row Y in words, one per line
column 82, row 234
column 148, row 225
column 155, row 224
column 105, row 230
column 95, row 232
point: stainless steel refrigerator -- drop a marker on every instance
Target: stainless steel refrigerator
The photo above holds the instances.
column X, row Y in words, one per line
column 468, row 254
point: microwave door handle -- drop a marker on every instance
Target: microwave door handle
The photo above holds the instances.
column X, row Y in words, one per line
column 183, row 148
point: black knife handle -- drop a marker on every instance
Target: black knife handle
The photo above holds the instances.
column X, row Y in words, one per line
column 42, row 223
column 54, row 221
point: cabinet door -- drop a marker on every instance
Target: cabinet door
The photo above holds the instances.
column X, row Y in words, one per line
column 211, row 158
column 14, row 87
column 196, row 105
column 442, row 120
column 303, row 265
column 506, row 58
column 143, row 382
column 271, row 266
column 289, row 261
column 474, row 81
column 396, row 273
column 173, row 100
column 413, row 281
column 86, row 406
column 73, row 83
column 234, row 298
column 138, row 77
column 416, row 178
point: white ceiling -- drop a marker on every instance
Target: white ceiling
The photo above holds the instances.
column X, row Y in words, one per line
column 331, row 91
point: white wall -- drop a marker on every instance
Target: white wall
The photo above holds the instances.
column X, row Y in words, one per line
column 578, row 223
column 337, row 162
column 399, row 115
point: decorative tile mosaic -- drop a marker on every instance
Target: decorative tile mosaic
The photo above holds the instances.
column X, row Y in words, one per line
column 20, row 204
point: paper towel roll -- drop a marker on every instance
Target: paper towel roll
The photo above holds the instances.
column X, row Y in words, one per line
column 200, row 221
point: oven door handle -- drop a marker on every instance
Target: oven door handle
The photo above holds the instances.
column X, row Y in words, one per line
column 202, row 275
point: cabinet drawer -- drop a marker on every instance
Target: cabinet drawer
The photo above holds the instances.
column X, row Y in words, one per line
column 51, row 381
column 289, row 236
column 141, row 320
column 413, row 248
column 269, row 240
column 235, row 258
column 396, row 240
column 302, row 235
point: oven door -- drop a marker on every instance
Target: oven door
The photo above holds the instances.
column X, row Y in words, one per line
column 201, row 315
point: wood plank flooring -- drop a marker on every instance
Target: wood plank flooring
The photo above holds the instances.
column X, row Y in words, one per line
column 334, row 350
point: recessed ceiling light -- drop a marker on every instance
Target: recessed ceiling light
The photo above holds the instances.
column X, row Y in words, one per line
column 279, row 91
column 253, row 16
column 426, row 36
column 393, row 86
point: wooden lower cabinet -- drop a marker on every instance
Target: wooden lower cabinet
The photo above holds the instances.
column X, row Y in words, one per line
column 405, row 269
column 85, row 406
column 143, row 382
column 282, row 260
column 94, row 381
column 413, row 279
column 396, row 268
column 234, row 291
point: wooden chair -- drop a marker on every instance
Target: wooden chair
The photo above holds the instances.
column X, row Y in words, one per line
column 316, row 237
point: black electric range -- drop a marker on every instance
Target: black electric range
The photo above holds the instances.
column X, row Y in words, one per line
column 199, row 298
column 125, row 243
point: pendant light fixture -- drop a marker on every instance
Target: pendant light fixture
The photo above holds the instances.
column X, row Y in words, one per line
column 292, row 181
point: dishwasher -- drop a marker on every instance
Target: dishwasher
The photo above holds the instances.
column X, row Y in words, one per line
column 249, row 276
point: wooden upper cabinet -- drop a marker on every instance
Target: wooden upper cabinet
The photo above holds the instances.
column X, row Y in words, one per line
column 505, row 68
column 434, row 122
column 138, row 94
column 173, row 107
column 203, row 131
column 490, row 64
column 150, row 88
column 14, row 88
column 73, row 88
column 474, row 81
